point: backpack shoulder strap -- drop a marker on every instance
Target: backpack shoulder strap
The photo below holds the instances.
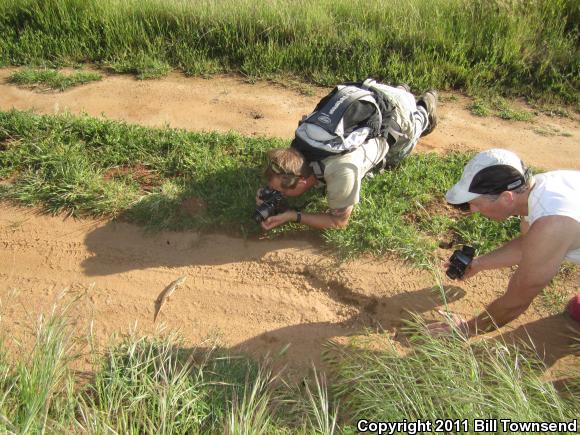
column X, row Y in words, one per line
column 318, row 170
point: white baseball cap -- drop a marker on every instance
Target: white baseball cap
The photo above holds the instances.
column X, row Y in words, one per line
column 488, row 173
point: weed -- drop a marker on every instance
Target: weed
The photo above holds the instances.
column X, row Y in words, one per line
column 504, row 111
column 555, row 297
column 552, row 110
column 479, row 108
column 553, row 300
column 551, row 131
column 451, row 379
column 144, row 66
column 496, row 106
column 51, row 79
column 33, row 392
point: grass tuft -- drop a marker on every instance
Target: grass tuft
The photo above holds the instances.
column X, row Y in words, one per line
column 446, row 379
column 497, row 106
column 34, row 392
column 554, row 298
column 46, row 79
column 479, row 108
column 144, row 66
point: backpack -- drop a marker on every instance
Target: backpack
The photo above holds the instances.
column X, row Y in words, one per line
column 346, row 118
column 340, row 123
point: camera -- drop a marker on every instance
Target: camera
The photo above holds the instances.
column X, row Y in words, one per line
column 459, row 261
column 270, row 206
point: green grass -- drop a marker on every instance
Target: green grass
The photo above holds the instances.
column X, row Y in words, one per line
column 87, row 166
column 550, row 131
column 51, row 79
column 479, row 108
column 519, row 48
column 554, row 298
column 158, row 385
column 499, row 107
column 446, row 379
column 34, row 390
column 143, row 66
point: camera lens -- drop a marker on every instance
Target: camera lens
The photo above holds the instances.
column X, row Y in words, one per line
column 263, row 212
column 258, row 218
column 271, row 199
column 260, row 214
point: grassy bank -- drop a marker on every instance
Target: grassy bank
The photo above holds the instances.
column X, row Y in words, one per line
column 526, row 48
column 174, row 179
column 160, row 386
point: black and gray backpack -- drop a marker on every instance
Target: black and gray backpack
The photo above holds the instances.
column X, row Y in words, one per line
column 340, row 123
column 344, row 120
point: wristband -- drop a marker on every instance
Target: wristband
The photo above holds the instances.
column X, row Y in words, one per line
column 298, row 216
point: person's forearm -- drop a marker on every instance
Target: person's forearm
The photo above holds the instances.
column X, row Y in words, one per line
column 518, row 297
column 508, row 255
column 495, row 316
column 322, row 221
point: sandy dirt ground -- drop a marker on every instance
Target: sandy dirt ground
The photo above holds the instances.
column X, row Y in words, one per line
column 251, row 295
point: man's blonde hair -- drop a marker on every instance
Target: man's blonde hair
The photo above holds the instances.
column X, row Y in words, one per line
column 289, row 164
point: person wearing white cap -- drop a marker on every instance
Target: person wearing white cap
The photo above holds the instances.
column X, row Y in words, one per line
column 496, row 184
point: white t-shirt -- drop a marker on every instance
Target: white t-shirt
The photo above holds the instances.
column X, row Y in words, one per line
column 556, row 193
column 343, row 174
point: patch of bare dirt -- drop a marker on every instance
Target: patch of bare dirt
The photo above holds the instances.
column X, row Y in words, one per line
column 257, row 295
column 145, row 177
column 264, row 109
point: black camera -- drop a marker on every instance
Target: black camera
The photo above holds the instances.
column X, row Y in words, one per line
column 270, row 206
column 459, row 261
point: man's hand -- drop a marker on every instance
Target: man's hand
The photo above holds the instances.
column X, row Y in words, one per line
column 471, row 270
column 454, row 321
column 258, row 193
column 279, row 219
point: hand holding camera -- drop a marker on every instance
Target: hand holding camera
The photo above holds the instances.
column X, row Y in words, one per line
column 460, row 261
column 271, row 204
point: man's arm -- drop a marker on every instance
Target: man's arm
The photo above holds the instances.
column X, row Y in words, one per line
column 543, row 249
column 508, row 255
column 332, row 219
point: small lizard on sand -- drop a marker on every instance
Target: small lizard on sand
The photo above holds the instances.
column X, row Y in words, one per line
column 164, row 295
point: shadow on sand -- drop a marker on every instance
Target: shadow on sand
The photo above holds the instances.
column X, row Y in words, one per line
column 302, row 343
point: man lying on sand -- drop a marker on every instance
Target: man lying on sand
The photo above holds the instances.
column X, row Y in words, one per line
column 353, row 130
